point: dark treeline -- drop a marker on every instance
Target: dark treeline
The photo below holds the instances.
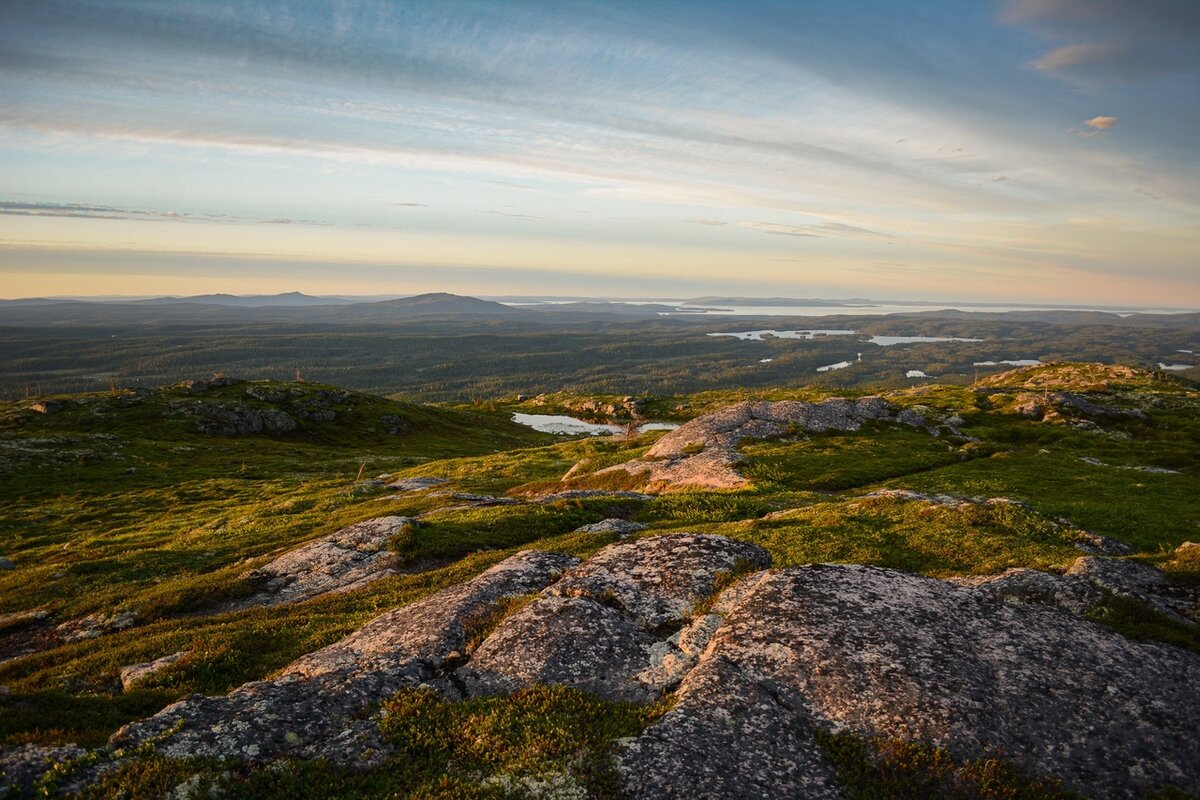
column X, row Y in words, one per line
column 466, row 358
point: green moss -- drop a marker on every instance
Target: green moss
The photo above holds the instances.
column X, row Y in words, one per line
column 483, row 748
column 1137, row 620
column 883, row 769
column 913, row 536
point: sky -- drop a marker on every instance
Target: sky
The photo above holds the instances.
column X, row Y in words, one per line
column 994, row 150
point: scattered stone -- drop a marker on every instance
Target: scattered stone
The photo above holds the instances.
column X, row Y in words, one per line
column 95, row 625
column 704, row 451
column 1095, row 462
column 6, row 563
column 340, row 562
column 621, row 527
column 136, row 672
column 416, row 484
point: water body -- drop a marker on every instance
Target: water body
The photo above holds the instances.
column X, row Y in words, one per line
column 916, row 373
column 757, row 336
column 1019, row 362
column 765, row 360
column 1175, row 367
column 882, row 341
column 573, row 426
column 888, row 341
column 838, row 365
column 1189, row 352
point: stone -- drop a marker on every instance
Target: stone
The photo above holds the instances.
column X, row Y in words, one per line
column 6, row 563
column 612, row 626
column 46, row 406
column 21, row 766
column 95, row 625
column 416, row 484
column 342, row 561
column 621, row 527
column 1141, row 582
column 236, row 419
column 135, row 672
column 880, row 653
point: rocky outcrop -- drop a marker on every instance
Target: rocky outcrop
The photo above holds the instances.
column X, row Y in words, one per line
column 704, row 451
column 620, row 625
column 1059, row 407
column 1088, row 582
column 1093, row 377
column 760, row 665
column 237, row 419
column 886, row 654
column 340, row 562
column 319, row 705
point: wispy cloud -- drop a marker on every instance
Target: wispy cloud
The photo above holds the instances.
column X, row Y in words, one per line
column 90, row 211
column 816, row 230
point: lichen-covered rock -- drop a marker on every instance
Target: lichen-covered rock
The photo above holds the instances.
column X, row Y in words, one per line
column 729, row 736
column 94, row 625
column 416, row 484
column 621, row 527
column 704, row 451
column 609, row 626
column 237, row 419
column 340, row 562
column 136, row 672
column 1139, row 581
column 318, row 706
column 21, row 767
column 884, row 654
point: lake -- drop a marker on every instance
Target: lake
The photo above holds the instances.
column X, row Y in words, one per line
column 573, row 426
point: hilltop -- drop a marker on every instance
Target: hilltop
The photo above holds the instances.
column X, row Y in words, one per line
column 325, row 588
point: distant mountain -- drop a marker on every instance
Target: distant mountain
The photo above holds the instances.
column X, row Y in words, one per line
column 247, row 301
column 432, row 304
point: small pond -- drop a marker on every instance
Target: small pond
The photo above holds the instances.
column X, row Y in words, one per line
column 564, row 425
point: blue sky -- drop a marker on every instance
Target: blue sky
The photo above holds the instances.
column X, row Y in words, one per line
column 1041, row 150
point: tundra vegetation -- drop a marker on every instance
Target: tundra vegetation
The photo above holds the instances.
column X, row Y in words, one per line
column 136, row 521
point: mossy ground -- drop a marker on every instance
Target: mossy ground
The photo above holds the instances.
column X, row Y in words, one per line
column 171, row 539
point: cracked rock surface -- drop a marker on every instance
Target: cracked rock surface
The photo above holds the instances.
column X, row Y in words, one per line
column 704, row 451
column 759, row 665
column 887, row 654
column 342, row 561
column 617, row 625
